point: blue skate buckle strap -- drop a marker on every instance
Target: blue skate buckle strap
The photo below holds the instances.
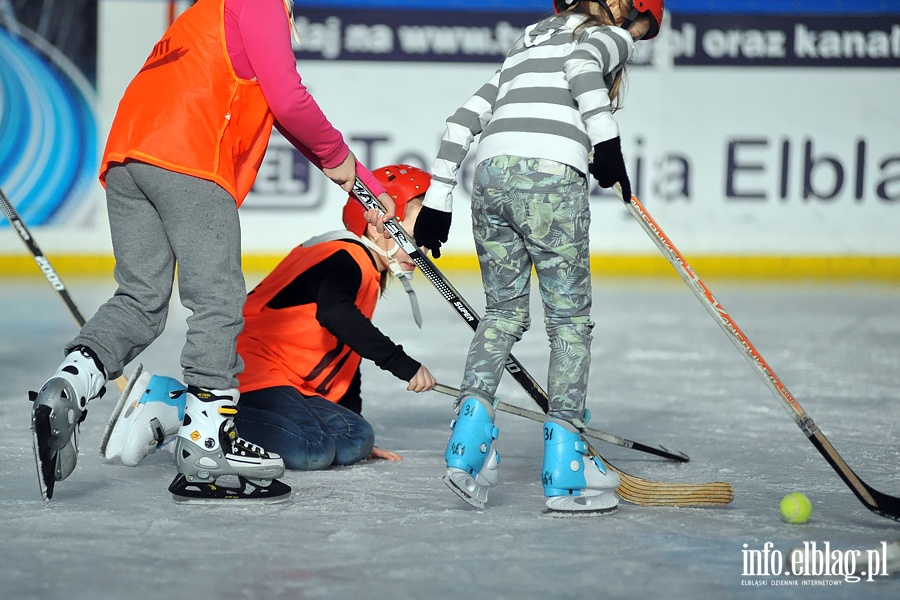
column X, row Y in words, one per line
column 581, row 447
column 583, row 421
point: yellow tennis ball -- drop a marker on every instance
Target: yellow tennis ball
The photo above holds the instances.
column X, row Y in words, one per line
column 796, row 508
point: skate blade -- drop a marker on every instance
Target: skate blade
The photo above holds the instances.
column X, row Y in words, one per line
column 464, row 494
column 188, row 492
column 579, row 506
column 578, row 514
column 44, row 456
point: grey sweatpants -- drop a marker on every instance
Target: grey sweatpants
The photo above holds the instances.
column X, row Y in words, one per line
column 158, row 219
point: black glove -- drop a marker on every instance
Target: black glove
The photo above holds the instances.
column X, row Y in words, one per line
column 608, row 167
column 432, row 227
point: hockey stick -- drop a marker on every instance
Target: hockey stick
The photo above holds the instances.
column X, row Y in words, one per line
column 877, row 502
column 516, row 410
column 46, row 268
column 468, row 314
column 636, row 490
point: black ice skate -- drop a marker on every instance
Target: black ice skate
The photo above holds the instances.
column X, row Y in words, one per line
column 208, row 448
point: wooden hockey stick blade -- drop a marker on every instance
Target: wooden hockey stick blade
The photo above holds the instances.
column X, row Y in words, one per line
column 647, row 492
column 879, row 503
column 637, row 490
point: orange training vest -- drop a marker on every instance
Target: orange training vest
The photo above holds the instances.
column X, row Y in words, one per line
column 187, row 111
column 288, row 346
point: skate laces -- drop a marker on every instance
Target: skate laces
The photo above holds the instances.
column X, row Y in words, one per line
column 239, row 446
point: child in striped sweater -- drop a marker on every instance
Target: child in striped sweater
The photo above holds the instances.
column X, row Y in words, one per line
column 545, row 121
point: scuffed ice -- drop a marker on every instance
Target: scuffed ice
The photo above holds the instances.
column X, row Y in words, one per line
column 663, row 373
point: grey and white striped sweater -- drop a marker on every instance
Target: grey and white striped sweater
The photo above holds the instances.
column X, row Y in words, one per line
column 549, row 99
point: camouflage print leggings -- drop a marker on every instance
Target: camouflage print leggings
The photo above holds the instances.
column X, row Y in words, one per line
column 526, row 213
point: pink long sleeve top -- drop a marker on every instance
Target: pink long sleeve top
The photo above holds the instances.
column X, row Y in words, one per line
column 259, row 45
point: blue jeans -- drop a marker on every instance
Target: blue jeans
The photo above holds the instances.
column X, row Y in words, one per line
column 309, row 433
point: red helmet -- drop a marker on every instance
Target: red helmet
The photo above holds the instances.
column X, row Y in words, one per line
column 655, row 8
column 402, row 182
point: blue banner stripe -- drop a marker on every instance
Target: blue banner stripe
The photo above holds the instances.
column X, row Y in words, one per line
column 778, row 41
column 48, row 133
column 676, row 6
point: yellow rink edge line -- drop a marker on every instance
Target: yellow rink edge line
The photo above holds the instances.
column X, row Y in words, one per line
column 823, row 268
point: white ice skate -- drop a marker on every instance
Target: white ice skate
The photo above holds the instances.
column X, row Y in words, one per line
column 59, row 408
column 208, row 447
column 575, row 483
column 152, row 412
column 472, row 463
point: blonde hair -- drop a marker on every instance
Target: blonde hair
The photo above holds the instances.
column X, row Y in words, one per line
column 598, row 16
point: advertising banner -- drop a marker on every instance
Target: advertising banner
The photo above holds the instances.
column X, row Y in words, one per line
column 748, row 133
column 48, row 129
column 750, row 129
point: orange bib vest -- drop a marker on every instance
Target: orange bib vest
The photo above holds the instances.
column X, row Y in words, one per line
column 187, row 111
column 288, row 346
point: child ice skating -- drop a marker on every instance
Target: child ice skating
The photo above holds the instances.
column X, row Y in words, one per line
column 182, row 154
column 545, row 121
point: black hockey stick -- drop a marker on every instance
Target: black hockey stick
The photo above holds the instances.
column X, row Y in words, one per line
column 468, row 314
column 41, row 260
column 877, row 502
column 46, row 268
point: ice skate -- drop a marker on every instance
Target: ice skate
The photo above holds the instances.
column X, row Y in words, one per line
column 472, row 464
column 59, row 408
column 575, row 483
column 208, row 447
column 152, row 413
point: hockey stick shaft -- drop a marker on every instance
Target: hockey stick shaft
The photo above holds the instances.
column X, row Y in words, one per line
column 877, row 502
column 42, row 262
column 512, row 409
column 634, row 489
column 47, row 269
column 468, row 314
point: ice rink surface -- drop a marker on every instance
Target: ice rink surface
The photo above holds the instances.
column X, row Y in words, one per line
column 663, row 373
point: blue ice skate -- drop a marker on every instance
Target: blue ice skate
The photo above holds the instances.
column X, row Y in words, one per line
column 472, row 464
column 575, row 482
column 152, row 411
